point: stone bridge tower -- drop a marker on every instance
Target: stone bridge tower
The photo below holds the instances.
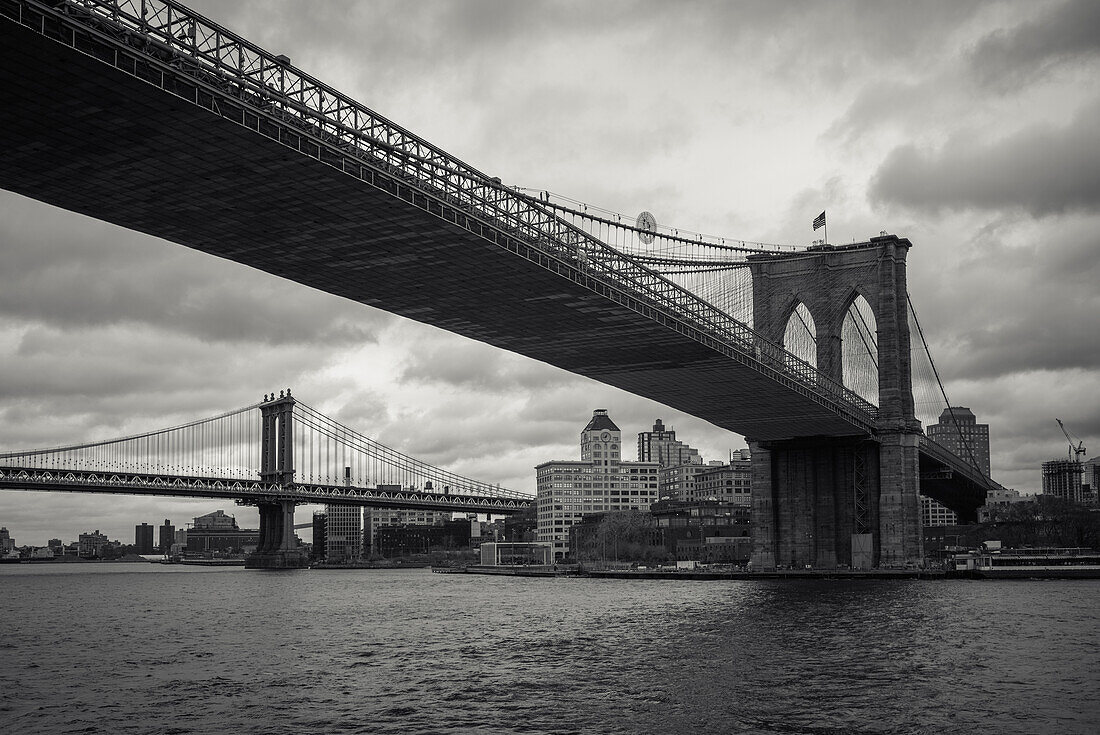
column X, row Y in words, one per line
column 277, row 547
column 827, row 501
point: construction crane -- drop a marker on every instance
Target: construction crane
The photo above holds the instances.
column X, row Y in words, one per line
column 1075, row 451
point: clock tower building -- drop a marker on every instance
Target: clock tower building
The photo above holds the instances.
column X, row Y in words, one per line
column 600, row 482
column 601, row 440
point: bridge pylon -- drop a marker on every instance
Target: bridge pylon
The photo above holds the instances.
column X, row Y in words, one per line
column 849, row 501
column 277, row 547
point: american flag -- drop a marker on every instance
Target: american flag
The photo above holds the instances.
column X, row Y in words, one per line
column 819, row 220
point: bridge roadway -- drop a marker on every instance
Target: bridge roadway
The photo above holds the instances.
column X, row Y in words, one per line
column 83, row 135
column 250, row 491
column 99, row 131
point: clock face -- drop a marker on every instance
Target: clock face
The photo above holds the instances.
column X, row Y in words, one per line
column 606, row 436
column 647, row 224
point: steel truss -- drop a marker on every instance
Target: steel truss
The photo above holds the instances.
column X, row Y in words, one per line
column 861, row 506
column 183, row 53
column 247, row 492
column 954, row 464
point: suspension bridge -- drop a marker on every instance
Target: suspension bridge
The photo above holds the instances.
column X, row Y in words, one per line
column 148, row 115
column 274, row 454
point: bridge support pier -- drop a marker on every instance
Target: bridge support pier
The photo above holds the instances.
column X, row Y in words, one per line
column 835, row 502
column 900, row 539
column 277, row 547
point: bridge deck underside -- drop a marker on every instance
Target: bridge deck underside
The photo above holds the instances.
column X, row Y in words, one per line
column 83, row 136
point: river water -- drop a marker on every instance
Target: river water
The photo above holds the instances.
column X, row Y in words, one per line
column 135, row 648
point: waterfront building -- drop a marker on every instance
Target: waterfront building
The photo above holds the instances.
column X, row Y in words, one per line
column 709, row 531
column 143, row 538
column 940, row 542
column 91, row 545
column 600, row 481
column 216, row 520
column 997, row 500
column 56, row 546
column 375, row 518
column 662, row 446
column 167, row 537
column 933, row 513
column 1062, row 479
column 406, row 540
column 506, row 553
column 958, row 430
column 217, row 534
column 343, row 533
column 7, row 543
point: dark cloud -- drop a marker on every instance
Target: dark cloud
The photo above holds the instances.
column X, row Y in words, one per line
column 1061, row 34
column 1042, row 170
column 890, row 101
column 1015, row 298
column 1023, row 431
column 90, row 384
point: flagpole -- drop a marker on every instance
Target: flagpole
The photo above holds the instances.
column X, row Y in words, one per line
column 826, row 230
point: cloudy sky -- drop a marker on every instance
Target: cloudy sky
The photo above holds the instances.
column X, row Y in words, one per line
column 970, row 128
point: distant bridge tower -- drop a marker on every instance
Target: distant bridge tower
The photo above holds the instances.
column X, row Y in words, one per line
column 277, row 547
column 829, row 501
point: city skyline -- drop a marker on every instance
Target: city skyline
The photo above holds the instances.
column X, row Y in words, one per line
column 691, row 116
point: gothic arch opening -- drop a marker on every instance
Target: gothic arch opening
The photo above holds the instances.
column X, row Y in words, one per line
column 859, row 350
column 800, row 336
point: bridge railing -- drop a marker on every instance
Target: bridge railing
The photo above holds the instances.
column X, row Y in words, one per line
column 247, row 491
column 955, row 463
column 219, row 65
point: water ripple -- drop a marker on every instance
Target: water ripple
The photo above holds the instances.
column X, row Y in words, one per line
column 185, row 650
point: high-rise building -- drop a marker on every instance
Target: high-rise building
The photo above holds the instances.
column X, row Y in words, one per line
column 1062, row 479
column 143, row 538
column 934, row 513
column 1090, row 481
column 958, row 430
column 343, row 533
column 319, row 521
column 167, row 537
column 599, row 482
column 91, row 545
column 7, row 543
column 218, row 533
column 662, row 446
